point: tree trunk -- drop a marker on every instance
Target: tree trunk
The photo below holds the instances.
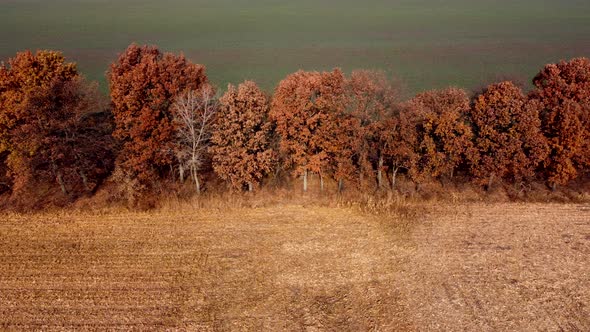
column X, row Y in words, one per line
column 361, row 177
column 305, row 181
column 59, row 178
column 181, row 172
column 380, row 172
column 490, row 181
column 84, row 180
column 340, row 185
column 321, row 183
column 196, row 179
column 61, row 183
column 393, row 177
column 250, row 187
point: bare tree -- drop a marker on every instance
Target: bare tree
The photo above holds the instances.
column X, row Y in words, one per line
column 194, row 113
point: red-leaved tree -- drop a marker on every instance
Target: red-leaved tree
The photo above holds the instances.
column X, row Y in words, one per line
column 563, row 91
column 305, row 108
column 144, row 83
column 25, row 73
column 344, row 149
column 50, row 133
column 372, row 101
column 442, row 132
column 399, row 138
column 242, row 137
column 69, row 128
column 507, row 135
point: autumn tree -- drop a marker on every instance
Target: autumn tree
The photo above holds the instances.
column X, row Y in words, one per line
column 507, row 134
column 563, row 92
column 5, row 180
column 144, row 83
column 398, row 137
column 194, row 115
column 305, row 109
column 48, row 135
column 5, row 86
column 371, row 99
column 25, row 75
column 243, row 137
column 343, row 152
column 442, row 133
column 70, row 131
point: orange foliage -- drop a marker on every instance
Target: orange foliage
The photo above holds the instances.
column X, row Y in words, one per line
column 563, row 91
column 306, row 108
column 27, row 72
column 41, row 104
column 144, row 83
column 53, row 128
column 372, row 101
column 508, row 139
column 70, row 132
column 399, row 137
column 242, row 136
column 443, row 135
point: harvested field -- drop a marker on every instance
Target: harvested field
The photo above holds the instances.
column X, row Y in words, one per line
column 475, row 267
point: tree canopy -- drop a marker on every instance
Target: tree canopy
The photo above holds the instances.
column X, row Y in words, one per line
column 305, row 109
column 442, row 132
column 144, row 83
column 563, row 91
column 243, row 137
column 55, row 128
column 508, row 139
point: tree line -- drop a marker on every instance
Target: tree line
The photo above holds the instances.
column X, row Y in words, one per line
column 165, row 123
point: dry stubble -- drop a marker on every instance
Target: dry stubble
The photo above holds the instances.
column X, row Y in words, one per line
column 476, row 267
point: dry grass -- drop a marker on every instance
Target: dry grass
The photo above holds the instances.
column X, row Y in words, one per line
column 294, row 267
column 508, row 267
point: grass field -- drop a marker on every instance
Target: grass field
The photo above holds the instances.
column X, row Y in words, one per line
column 427, row 43
column 496, row 267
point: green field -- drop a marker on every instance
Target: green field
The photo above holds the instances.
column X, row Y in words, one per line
column 426, row 43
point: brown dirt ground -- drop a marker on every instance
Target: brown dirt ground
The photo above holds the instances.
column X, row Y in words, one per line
column 466, row 267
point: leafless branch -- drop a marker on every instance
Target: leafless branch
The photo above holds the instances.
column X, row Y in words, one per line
column 194, row 112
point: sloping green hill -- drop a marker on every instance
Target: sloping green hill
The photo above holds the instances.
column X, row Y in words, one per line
column 427, row 43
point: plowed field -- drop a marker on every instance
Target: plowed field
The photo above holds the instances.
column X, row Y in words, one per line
column 468, row 267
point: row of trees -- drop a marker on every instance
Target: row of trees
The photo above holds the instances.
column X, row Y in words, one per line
column 166, row 123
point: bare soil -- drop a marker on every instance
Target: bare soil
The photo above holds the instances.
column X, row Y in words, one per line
column 296, row 268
